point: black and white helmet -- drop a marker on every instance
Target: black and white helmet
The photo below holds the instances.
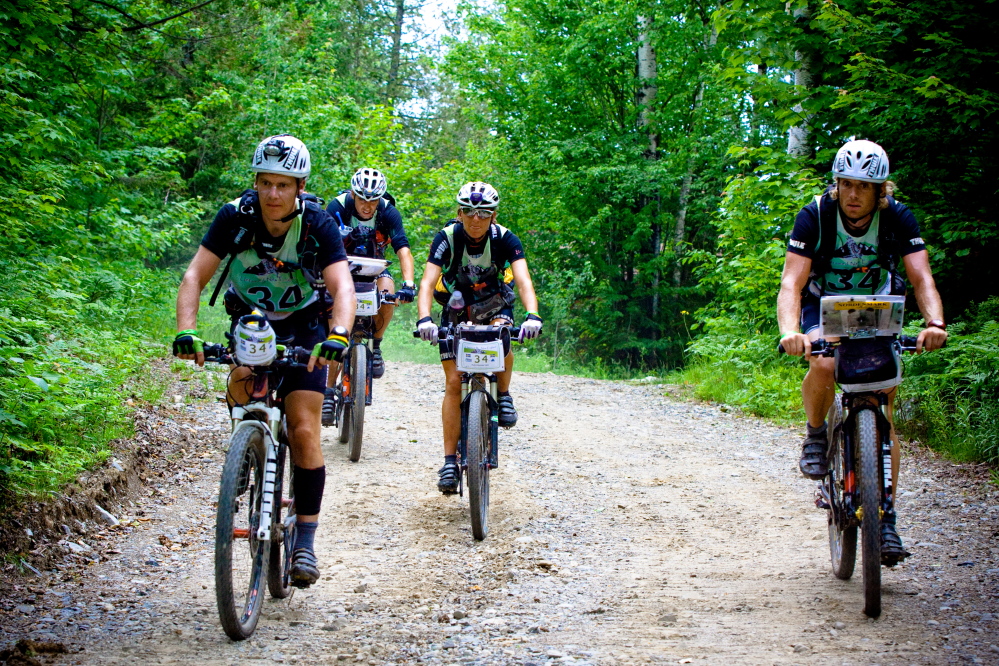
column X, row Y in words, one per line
column 861, row 160
column 478, row 195
column 284, row 155
column 368, row 184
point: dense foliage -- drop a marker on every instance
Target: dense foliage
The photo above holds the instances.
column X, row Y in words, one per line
column 640, row 149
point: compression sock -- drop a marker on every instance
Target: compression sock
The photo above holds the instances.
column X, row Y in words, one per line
column 305, row 536
column 376, row 343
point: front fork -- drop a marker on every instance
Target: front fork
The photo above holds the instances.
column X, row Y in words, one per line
column 493, row 394
column 852, row 508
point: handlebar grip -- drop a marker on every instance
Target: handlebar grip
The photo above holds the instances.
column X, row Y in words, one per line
column 780, row 349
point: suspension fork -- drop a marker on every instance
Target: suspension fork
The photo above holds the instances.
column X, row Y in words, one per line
column 885, row 443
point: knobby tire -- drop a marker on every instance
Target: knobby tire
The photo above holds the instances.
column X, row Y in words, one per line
column 478, row 463
column 869, row 473
column 358, row 393
column 240, row 561
column 343, row 418
column 842, row 537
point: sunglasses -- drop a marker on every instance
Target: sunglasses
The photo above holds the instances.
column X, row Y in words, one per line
column 481, row 213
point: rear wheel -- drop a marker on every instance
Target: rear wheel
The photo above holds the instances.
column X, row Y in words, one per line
column 870, row 499
column 358, row 394
column 279, row 568
column 240, row 558
column 478, row 448
column 842, row 535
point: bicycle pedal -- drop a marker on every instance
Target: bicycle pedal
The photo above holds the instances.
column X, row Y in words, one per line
column 820, row 500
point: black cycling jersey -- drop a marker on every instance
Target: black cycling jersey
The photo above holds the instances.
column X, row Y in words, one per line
column 368, row 238
column 506, row 247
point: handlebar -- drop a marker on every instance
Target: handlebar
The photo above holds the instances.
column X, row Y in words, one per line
column 444, row 332
column 288, row 357
column 821, row 347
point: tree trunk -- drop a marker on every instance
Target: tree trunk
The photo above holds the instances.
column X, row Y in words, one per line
column 680, row 233
column 392, row 89
column 799, row 139
column 647, row 72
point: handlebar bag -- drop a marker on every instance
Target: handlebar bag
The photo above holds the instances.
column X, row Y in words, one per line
column 366, row 294
column 868, row 364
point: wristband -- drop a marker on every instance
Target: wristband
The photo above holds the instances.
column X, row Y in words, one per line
column 337, row 338
column 190, row 331
column 936, row 323
column 424, row 320
column 533, row 312
column 785, row 335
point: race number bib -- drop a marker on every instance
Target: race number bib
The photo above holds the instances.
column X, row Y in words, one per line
column 479, row 356
column 367, row 299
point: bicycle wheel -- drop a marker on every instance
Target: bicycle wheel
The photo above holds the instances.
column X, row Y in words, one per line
column 343, row 418
column 283, row 524
column 842, row 535
column 869, row 472
column 358, row 391
column 240, row 558
column 477, row 451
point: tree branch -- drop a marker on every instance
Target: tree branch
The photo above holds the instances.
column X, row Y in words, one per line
column 142, row 25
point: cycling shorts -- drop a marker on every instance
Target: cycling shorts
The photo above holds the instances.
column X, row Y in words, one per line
column 504, row 316
column 809, row 314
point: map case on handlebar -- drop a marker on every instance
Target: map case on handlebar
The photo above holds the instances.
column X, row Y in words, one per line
column 855, row 316
column 365, row 271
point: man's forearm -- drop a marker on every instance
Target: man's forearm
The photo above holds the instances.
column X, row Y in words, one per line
column 788, row 310
column 188, row 301
column 406, row 263
column 928, row 300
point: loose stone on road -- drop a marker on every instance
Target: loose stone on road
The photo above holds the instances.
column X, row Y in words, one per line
column 626, row 527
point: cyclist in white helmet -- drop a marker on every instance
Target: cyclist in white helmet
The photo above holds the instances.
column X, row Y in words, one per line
column 481, row 259
column 369, row 222
column 849, row 241
column 285, row 250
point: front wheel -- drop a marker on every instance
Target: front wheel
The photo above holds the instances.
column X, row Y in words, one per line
column 358, row 395
column 870, row 499
column 241, row 559
column 842, row 531
column 477, row 453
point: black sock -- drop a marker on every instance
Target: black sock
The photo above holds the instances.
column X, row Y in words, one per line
column 816, row 431
column 451, row 459
column 504, row 394
column 376, row 343
column 305, row 535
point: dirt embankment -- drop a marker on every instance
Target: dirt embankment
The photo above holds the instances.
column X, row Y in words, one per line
column 626, row 527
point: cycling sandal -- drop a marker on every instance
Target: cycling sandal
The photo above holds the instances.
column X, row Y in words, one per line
column 507, row 412
column 813, row 463
column 304, row 568
column 448, row 475
column 377, row 364
column 329, row 407
column 892, row 551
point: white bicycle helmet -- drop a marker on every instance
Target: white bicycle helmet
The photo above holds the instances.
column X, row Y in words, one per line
column 478, row 195
column 284, row 155
column 861, row 160
column 368, row 184
column 254, row 340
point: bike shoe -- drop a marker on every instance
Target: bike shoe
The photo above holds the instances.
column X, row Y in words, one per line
column 813, row 463
column 329, row 407
column 892, row 551
column 448, row 481
column 377, row 364
column 507, row 412
column 304, row 568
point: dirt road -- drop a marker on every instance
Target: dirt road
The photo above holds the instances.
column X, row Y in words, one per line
column 626, row 528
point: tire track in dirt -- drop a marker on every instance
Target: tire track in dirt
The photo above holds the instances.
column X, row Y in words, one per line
column 625, row 528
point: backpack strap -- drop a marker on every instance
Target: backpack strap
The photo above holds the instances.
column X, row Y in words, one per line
column 827, row 234
column 243, row 240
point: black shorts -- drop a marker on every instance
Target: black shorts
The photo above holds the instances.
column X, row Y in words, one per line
column 307, row 330
column 809, row 314
column 505, row 315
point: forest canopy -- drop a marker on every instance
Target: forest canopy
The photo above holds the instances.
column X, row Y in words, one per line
column 652, row 157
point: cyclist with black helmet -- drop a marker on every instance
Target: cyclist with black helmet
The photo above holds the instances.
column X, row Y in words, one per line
column 285, row 251
column 369, row 222
column 483, row 260
column 849, row 241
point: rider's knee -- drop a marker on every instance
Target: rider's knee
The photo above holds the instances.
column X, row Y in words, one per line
column 822, row 366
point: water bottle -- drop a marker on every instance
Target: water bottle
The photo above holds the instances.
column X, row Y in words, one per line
column 457, row 301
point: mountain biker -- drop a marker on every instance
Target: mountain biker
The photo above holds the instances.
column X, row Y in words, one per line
column 369, row 221
column 849, row 241
column 285, row 250
column 481, row 259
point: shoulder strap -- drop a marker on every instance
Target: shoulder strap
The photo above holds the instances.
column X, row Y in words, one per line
column 827, row 234
column 243, row 240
